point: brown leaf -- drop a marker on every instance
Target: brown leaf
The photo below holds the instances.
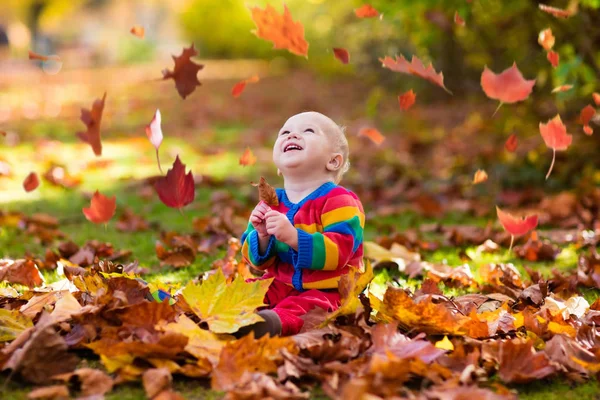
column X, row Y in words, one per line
column 92, row 382
column 49, row 392
column 185, row 72
column 386, row 338
column 178, row 257
column 266, row 193
column 131, row 222
column 24, row 272
column 92, row 120
column 342, row 55
column 31, row 182
column 537, row 250
column 520, row 363
column 156, row 380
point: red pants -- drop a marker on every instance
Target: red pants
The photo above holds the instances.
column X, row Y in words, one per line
column 291, row 304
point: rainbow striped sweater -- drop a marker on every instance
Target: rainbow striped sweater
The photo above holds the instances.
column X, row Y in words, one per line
column 330, row 223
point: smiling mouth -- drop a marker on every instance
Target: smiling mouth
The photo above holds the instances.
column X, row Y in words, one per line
column 291, row 147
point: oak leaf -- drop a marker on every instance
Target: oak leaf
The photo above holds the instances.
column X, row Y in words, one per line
column 185, row 72
column 247, row 158
column 239, row 87
column 415, row 67
column 407, row 99
column 373, row 134
column 280, row 29
column 458, row 20
column 585, row 116
column 553, row 58
column 31, row 182
column 92, row 119
column 267, row 194
column 366, row 11
column 155, row 135
column 508, row 87
column 176, row 189
column 341, row 54
column 102, row 208
column 546, row 39
column 138, row 30
column 556, row 137
column 511, row 143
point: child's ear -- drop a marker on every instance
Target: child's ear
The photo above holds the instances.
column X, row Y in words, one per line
column 278, row 172
column 335, row 162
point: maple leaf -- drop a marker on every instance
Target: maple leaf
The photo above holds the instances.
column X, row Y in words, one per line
column 562, row 88
column 415, row 67
column 546, row 39
column 266, row 193
column 511, row 143
column 280, row 29
column 12, row 324
column 585, row 116
column 239, row 87
column 101, row 208
column 92, row 120
column 516, row 226
column 138, row 30
column 226, row 307
column 556, row 137
column 519, row 362
column 373, row 134
column 407, row 99
column 509, row 86
column 386, row 339
column 366, row 11
column 350, row 286
column 458, row 20
column 185, row 72
column 155, row 135
column 553, row 57
column 595, row 96
column 480, row 176
column 341, row 54
column 247, row 158
column 31, row 182
column 557, row 12
column 24, row 272
column 176, row 189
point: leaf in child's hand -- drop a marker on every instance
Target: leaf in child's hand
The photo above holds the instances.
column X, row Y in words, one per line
column 373, row 134
column 553, row 57
column 585, row 117
column 176, row 189
column 266, row 193
column 239, row 87
column 415, row 67
column 546, row 39
column 407, row 99
column 185, row 72
column 366, row 11
column 556, row 137
column 562, row 88
column 511, row 143
column 31, row 182
column 280, row 29
column 341, row 54
column 458, row 20
column 101, row 208
column 480, row 176
column 247, row 158
column 138, row 31
column 155, row 135
column 92, row 120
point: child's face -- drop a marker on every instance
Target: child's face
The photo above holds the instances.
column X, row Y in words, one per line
column 303, row 145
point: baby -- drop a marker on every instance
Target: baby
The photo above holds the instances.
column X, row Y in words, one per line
column 314, row 235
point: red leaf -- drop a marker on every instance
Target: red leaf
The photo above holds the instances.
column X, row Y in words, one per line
column 585, row 117
column 511, row 143
column 509, row 86
column 185, row 72
column 247, row 158
column 458, row 20
column 557, row 12
column 177, row 188
column 342, row 55
column 562, row 88
column 516, row 226
column 366, row 11
column 546, row 39
column 596, row 97
column 407, row 100
column 372, row 134
column 155, row 135
column 31, row 182
column 101, row 208
column 556, row 137
column 553, row 57
column 280, row 29
column 239, row 87
column 415, row 67
column 92, row 120
column 138, row 31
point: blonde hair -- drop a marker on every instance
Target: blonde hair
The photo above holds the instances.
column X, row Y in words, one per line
column 340, row 145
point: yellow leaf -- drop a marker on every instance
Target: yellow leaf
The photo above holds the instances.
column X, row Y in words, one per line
column 350, row 286
column 201, row 343
column 445, row 344
column 226, row 307
column 12, row 323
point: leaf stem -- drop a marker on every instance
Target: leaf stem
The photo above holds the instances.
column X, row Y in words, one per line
column 497, row 108
column 512, row 239
column 551, row 165
column 158, row 161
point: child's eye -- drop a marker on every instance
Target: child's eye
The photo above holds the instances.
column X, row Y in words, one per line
column 309, row 130
column 284, row 133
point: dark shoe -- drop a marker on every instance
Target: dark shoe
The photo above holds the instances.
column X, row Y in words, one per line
column 271, row 325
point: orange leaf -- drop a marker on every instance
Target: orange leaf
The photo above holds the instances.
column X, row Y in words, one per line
column 280, row 29
column 407, row 100
column 247, row 158
column 509, row 86
column 520, row 363
column 92, row 120
column 372, row 134
column 458, row 20
column 562, row 88
column 546, row 39
column 596, row 97
column 40, row 57
column 185, row 72
column 341, row 54
column 366, row 11
column 101, row 208
column 239, row 87
column 516, row 226
column 480, row 176
column 415, row 67
column 2, row 133
column 557, row 12
column 511, row 143
column 31, row 182
column 553, row 57
column 138, row 31
column 176, row 189
column 585, row 117
column 556, row 137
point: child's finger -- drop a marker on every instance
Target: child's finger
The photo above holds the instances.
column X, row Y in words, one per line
column 271, row 213
column 258, row 213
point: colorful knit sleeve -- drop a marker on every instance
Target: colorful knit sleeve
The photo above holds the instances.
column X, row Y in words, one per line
column 343, row 221
column 251, row 249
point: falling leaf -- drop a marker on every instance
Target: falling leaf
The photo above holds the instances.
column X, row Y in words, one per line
column 176, row 189
column 516, row 226
column 155, row 135
column 101, row 208
column 458, row 20
column 415, row 67
column 185, row 72
column 247, row 158
column 585, row 116
column 31, row 182
column 508, row 87
column 562, row 88
column 546, row 39
column 366, row 11
column 556, row 137
column 553, row 57
column 407, row 100
column 480, row 176
column 138, row 30
column 92, row 120
column 557, row 12
column 342, row 55
column 226, row 307
column 36, row 56
column 373, row 134
column 239, row 87
column 280, row 29
column 511, row 143
column 595, row 96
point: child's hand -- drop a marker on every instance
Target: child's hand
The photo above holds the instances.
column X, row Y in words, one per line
column 258, row 220
column 280, row 226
